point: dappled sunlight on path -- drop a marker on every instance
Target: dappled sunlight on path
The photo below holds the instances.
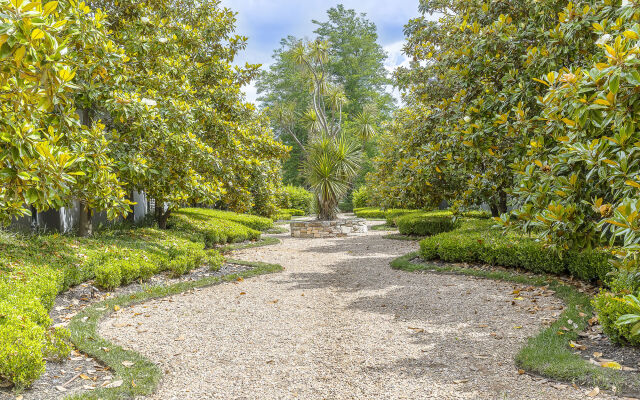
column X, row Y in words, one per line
column 339, row 323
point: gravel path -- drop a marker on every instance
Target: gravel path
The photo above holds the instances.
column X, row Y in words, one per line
column 339, row 323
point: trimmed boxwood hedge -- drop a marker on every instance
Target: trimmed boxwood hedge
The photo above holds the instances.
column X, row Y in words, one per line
column 252, row 221
column 478, row 241
column 34, row 269
column 427, row 224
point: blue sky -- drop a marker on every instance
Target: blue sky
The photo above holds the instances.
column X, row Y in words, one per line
column 265, row 22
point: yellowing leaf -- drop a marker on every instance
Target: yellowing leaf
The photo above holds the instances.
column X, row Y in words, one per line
column 37, row 34
column 631, row 35
column 66, row 75
column 568, row 122
column 611, row 364
column 633, row 183
column 19, row 55
column 49, row 8
column 602, row 102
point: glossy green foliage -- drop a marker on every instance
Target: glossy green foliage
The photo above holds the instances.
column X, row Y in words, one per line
column 426, row 224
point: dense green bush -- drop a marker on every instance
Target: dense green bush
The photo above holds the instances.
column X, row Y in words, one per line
column 293, row 212
column 215, row 260
column 361, row 197
column 370, row 213
column 252, row 221
column 201, row 227
column 392, row 214
column 282, row 216
column 478, row 241
column 425, row 224
column 610, row 307
column 295, row 197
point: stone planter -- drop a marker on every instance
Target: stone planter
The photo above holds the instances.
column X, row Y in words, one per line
column 327, row 229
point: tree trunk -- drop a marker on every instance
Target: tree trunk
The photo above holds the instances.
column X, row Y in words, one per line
column 502, row 204
column 85, row 228
column 131, row 217
column 162, row 216
column 495, row 212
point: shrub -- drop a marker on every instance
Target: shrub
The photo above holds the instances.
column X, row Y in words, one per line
column 108, row 275
column 361, row 197
column 295, row 197
column 292, row 211
column 252, row 221
column 392, row 214
column 201, row 227
column 215, row 260
column 478, row 241
column 283, row 217
column 609, row 308
column 425, row 224
column 369, row 213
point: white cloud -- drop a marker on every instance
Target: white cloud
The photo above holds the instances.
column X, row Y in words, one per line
column 265, row 22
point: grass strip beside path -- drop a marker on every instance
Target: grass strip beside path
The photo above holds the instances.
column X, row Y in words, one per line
column 547, row 354
column 142, row 377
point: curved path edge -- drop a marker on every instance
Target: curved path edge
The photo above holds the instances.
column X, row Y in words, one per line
column 135, row 373
column 552, row 343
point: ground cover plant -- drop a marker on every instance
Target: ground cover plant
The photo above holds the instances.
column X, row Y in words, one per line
column 34, row 269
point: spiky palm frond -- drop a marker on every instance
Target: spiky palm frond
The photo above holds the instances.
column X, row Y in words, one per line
column 331, row 165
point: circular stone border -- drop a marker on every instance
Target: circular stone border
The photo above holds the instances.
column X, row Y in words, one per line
column 326, row 229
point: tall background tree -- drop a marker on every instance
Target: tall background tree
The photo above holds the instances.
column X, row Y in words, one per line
column 355, row 63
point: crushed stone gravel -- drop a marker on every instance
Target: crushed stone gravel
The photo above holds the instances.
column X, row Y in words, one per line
column 339, row 323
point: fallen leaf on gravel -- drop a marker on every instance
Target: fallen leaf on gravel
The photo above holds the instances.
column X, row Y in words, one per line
column 418, row 330
column 61, row 388
column 594, row 392
column 240, row 279
column 128, row 363
column 114, row 384
column 85, row 377
column 483, row 326
column 181, row 337
column 517, row 327
column 597, row 354
column 116, row 308
column 611, row 364
column 275, row 301
column 593, row 321
column 458, row 381
column 519, row 298
column 241, row 293
column 19, row 397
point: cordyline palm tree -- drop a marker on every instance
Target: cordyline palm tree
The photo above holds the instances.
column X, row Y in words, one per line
column 331, row 159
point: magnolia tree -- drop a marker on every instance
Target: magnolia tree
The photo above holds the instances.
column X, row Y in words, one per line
column 331, row 158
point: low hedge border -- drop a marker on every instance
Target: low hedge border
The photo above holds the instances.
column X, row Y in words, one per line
column 426, row 224
column 142, row 378
column 547, row 354
column 267, row 241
